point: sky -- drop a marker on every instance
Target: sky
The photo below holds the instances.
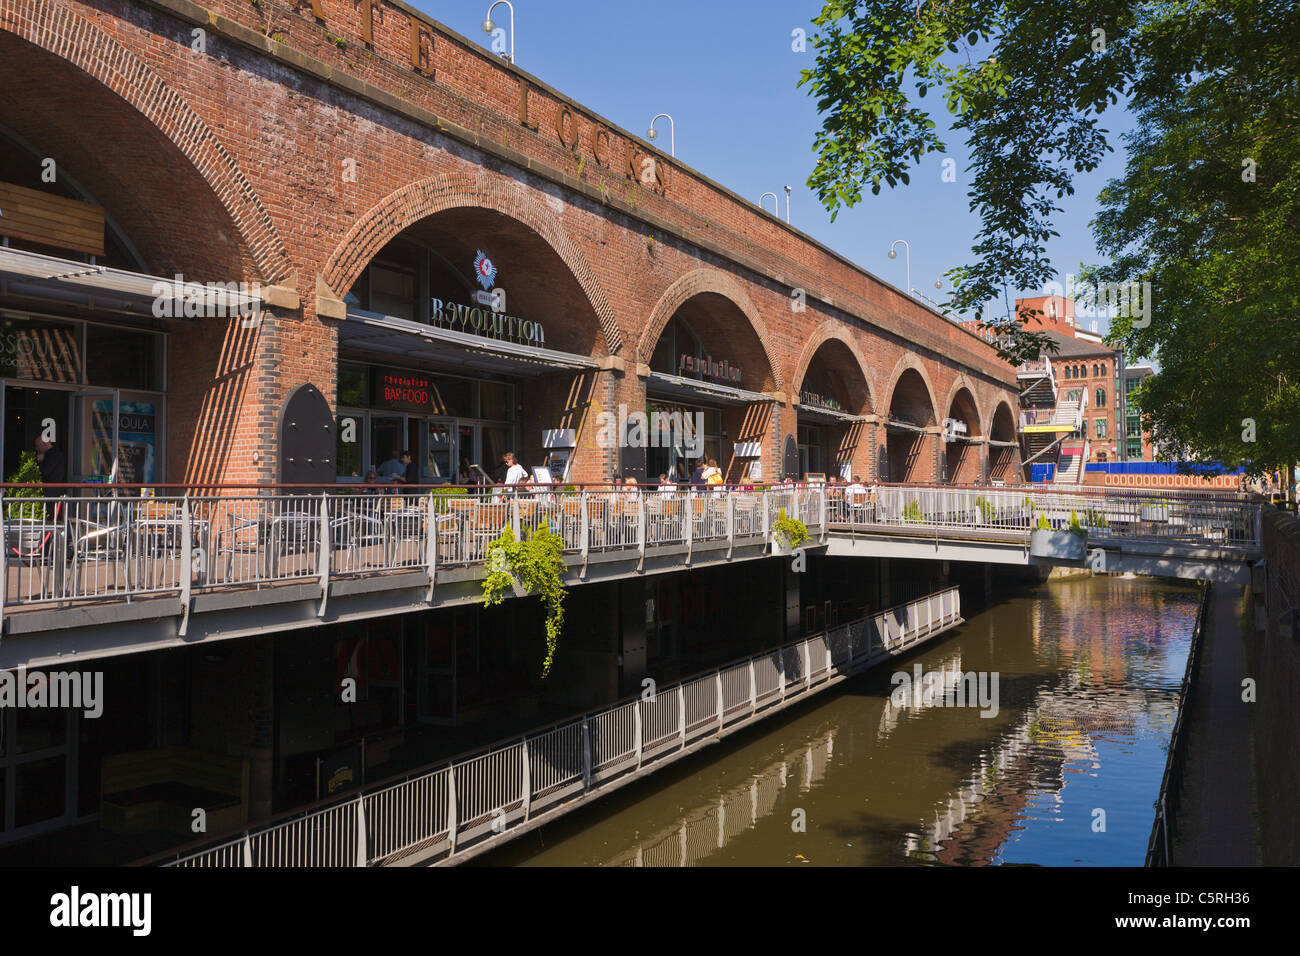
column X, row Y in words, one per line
column 726, row 72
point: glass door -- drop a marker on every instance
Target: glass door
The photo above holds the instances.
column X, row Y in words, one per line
column 467, row 450
column 31, row 414
column 387, row 442
column 439, row 453
column 98, row 417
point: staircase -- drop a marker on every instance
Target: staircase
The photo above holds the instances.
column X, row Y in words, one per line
column 1070, row 462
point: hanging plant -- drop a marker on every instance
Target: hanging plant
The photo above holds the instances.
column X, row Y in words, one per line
column 790, row 532
column 532, row 566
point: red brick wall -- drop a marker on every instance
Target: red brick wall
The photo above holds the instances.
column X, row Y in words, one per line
column 259, row 138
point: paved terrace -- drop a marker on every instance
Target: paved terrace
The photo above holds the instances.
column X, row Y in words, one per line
column 96, row 576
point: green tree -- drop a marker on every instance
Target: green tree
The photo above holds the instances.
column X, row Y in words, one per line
column 1027, row 83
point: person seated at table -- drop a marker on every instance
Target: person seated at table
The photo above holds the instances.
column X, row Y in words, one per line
column 410, row 474
column 666, row 487
column 856, row 494
column 372, row 482
column 391, row 469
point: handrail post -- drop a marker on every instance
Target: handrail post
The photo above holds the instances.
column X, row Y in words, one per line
column 688, row 521
column 681, row 713
column 717, row 677
column 640, row 528
column 187, row 565
column 731, row 522
column 807, row 664
column 584, row 529
column 363, row 856
column 781, row 674
column 753, row 688
column 636, row 729
column 452, row 823
column 4, row 564
column 431, row 543
column 528, row 779
column 324, row 552
column 514, row 516
column 821, row 493
column 586, row 754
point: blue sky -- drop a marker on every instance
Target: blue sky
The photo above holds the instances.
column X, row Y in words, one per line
column 726, row 72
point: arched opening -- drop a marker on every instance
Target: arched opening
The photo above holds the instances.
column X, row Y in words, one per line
column 86, row 179
column 833, row 398
column 709, row 372
column 466, row 337
column 1003, row 448
column 960, row 440
column 911, row 414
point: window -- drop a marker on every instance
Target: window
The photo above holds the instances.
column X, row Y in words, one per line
column 124, row 359
column 1101, row 428
column 1099, row 398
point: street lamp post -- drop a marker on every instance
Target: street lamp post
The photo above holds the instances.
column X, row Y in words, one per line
column 787, row 204
column 775, row 202
column 489, row 27
column 893, row 254
column 652, row 134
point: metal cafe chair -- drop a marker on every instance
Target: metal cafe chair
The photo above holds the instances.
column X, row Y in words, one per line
column 103, row 538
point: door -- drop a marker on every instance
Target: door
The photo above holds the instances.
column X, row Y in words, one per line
column 387, row 441
column 439, row 452
column 33, row 413
column 98, row 414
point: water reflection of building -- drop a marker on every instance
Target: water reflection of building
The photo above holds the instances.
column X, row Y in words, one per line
column 710, row 827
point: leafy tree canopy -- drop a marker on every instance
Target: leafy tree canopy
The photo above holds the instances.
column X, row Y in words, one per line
column 1207, row 211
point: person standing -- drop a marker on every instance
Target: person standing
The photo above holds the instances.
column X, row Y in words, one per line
column 53, row 465
column 697, row 476
column 515, row 472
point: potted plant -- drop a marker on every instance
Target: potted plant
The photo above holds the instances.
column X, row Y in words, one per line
column 986, row 512
column 532, row 566
column 912, row 513
column 25, row 518
column 787, row 533
column 1069, row 545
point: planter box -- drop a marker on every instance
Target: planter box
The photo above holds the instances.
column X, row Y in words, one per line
column 781, row 545
column 1058, row 545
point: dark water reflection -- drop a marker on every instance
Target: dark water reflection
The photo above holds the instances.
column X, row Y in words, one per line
column 1089, row 672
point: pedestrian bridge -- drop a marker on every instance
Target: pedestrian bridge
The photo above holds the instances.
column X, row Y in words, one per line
column 94, row 576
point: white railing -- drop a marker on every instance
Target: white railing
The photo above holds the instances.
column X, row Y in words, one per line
column 479, row 800
column 1198, row 520
column 114, row 548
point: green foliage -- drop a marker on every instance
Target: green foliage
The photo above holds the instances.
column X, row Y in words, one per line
column 1095, row 518
column 536, row 564
column 1076, row 529
column 28, row 473
column 987, row 511
column 1043, row 523
column 794, row 531
column 1026, row 84
column 912, row 512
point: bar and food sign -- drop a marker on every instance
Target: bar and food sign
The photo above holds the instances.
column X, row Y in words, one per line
column 405, row 391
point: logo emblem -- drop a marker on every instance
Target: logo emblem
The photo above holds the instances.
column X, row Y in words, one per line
column 484, row 270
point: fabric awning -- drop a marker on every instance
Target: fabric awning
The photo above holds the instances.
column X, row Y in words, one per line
column 679, row 387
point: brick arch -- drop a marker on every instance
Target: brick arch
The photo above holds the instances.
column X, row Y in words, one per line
column 57, row 30
column 695, row 283
column 901, row 366
column 998, row 403
column 960, row 383
column 427, row 197
column 831, row 330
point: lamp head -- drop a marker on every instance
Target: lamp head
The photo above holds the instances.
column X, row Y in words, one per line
column 893, row 254
column 938, row 283
column 488, row 26
column 652, row 134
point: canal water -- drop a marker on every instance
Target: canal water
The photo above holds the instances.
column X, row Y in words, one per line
column 1065, row 773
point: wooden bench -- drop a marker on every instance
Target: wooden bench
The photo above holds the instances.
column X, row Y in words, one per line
column 160, row 789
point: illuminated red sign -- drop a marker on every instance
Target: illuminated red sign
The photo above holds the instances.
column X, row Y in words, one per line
column 404, row 390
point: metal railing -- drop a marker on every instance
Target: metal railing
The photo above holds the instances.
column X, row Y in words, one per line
column 109, row 547
column 440, row 812
column 1195, row 519
column 1159, row 845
